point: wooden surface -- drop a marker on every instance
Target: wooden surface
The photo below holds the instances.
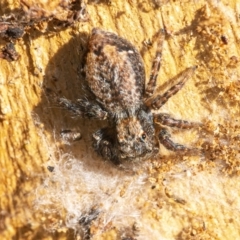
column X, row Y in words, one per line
column 171, row 197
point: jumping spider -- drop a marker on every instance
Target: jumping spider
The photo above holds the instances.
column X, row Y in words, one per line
column 115, row 76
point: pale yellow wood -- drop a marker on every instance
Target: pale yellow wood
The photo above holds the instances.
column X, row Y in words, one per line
column 192, row 197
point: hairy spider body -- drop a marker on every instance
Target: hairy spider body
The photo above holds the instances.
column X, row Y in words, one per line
column 115, row 75
column 115, row 72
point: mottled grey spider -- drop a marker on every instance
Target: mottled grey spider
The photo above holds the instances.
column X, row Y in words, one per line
column 115, row 76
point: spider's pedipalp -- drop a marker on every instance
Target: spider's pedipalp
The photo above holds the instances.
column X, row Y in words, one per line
column 103, row 143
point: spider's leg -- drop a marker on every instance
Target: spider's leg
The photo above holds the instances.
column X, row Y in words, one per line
column 166, row 119
column 103, row 144
column 165, row 139
column 158, row 101
column 84, row 108
column 156, row 64
column 86, row 220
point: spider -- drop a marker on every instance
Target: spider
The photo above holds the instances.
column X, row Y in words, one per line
column 115, row 77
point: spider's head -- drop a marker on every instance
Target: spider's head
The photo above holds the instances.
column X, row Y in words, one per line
column 136, row 135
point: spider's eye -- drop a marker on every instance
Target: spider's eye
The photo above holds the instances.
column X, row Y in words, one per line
column 144, row 136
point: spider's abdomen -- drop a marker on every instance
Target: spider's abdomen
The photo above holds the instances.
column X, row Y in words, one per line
column 114, row 72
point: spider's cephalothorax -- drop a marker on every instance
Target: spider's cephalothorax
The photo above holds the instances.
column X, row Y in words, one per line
column 115, row 76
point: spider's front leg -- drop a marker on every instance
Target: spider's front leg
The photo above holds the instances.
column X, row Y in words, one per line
column 84, row 108
column 103, row 143
column 166, row 119
column 165, row 139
